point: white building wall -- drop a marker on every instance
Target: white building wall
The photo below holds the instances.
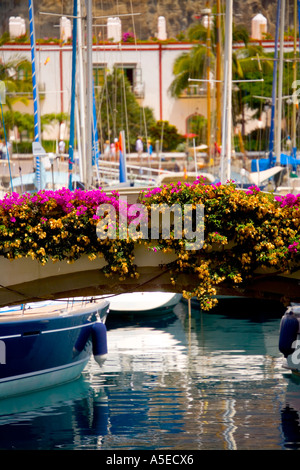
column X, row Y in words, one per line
column 155, row 59
column 50, row 80
column 146, row 58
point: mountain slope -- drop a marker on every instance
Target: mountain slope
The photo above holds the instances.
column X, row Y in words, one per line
column 179, row 14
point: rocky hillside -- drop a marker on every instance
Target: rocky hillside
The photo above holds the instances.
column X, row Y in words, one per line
column 179, row 14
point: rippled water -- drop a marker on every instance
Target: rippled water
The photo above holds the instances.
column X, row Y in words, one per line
column 205, row 382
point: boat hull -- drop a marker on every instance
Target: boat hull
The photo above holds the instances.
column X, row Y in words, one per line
column 143, row 303
column 41, row 351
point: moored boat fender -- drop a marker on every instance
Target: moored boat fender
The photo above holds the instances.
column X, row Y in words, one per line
column 82, row 340
column 289, row 328
column 99, row 339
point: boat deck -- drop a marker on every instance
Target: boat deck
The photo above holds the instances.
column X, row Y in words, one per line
column 53, row 308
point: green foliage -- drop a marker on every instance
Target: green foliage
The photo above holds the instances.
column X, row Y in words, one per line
column 16, row 74
column 4, row 38
column 240, row 34
column 171, row 138
column 120, row 110
column 245, row 233
column 188, row 65
column 25, row 121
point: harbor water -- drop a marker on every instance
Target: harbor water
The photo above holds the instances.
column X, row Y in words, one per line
column 204, row 381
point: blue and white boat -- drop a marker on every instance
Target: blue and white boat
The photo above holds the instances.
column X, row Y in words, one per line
column 49, row 343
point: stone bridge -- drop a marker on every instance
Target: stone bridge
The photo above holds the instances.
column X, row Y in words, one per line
column 25, row 279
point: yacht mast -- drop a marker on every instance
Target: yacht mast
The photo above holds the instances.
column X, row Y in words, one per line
column 218, row 73
column 294, row 121
column 36, row 111
column 81, row 82
column 227, row 98
column 73, row 92
column 280, row 83
column 89, row 95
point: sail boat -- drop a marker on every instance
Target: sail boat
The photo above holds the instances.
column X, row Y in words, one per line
column 257, row 176
column 44, row 175
column 47, row 343
column 225, row 172
column 289, row 161
column 277, row 160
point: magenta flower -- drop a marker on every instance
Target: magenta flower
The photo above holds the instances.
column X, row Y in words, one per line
column 293, row 247
column 289, row 200
column 252, row 189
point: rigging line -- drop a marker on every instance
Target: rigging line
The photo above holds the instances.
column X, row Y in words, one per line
column 15, row 291
column 123, row 107
column 133, row 24
column 126, row 113
column 114, row 104
column 107, row 108
column 145, row 125
column 221, row 81
column 140, row 66
column 99, row 120
column 105, row 94
column 108, row 16
column 125, row 101
column 124, row 91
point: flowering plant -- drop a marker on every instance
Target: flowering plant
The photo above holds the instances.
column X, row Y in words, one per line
column 128, row 37
column 244, row 231
column 60, row 225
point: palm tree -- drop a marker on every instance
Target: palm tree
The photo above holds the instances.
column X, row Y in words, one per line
column 16, row 75
column 193, row 64
column 250, row 63
column 245, row 66
column 188, row 65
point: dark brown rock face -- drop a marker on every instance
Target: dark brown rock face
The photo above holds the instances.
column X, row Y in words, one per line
column 179, row 14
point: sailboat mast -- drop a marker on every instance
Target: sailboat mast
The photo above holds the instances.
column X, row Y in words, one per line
column 81, row 94
column 280, row 82
column 208, row 97
column 35, row 94
column 294, row 119
column 218, row 72
column 227, row 98
column 271, row 141
column 73, row 92
column 89, row 95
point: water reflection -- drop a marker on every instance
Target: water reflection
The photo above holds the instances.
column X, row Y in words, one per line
column 205, row 381
column 290, row 413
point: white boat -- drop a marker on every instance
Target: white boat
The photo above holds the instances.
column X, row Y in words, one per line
column 49, row 343
column 143, row 303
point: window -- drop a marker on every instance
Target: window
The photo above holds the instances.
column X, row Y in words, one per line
column 134, row 76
